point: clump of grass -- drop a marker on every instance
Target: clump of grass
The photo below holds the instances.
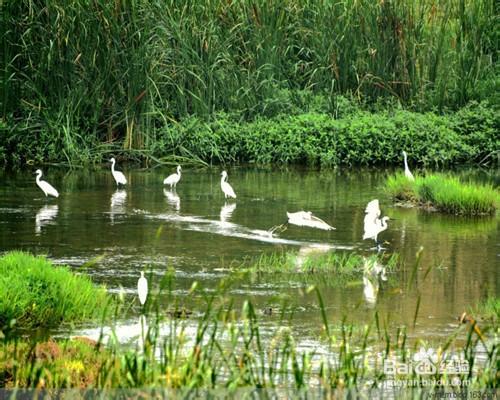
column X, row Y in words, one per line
column 35, row 293
column 489, row 309
column 311, row 262
column 445, row 193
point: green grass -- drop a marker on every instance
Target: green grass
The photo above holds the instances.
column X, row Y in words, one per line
column 315, row 262
column 35, row 294
column 488, row 309
column 445, row 193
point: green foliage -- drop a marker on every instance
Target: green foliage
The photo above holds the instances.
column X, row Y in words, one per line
column 360, row 138
column 118, row 73
column 35, row 293
column 446, row 193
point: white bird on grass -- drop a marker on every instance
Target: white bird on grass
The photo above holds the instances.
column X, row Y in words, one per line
column 373, row 223
column 226, row 187
column 119, row 177
column 46, row 187
column 142, row 288
column 408, row 173
column 173, row 179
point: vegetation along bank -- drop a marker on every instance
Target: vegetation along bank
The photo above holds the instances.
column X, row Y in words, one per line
column 317, row 83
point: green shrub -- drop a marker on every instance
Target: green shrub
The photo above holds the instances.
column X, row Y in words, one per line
column 35, row 293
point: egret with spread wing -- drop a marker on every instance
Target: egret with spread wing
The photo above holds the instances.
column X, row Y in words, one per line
column 373, row 223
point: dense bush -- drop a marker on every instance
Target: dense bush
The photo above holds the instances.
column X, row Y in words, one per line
column 361, row 138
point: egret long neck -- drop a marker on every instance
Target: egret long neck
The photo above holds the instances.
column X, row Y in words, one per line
column 406, row 161
column 38, row 176
column 179, row 172
column 113, row 165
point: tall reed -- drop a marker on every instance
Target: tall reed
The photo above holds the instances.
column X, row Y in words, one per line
column 81, row 74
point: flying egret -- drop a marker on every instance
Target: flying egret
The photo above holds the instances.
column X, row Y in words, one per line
column 119, row 177
column 305, row 218
column 47, row 188
column 142, row 288
column 173, row 179
column 408, row 173
column 226, row 187
column 373, row 223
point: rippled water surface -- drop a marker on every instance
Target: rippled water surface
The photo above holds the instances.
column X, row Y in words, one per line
column 202, row 236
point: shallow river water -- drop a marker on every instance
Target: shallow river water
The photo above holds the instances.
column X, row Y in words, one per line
column 202, row 235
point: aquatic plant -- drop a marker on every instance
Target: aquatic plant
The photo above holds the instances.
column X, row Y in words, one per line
column 445, row 193
column 313, row 260
column 35, row 293
column 227, row 350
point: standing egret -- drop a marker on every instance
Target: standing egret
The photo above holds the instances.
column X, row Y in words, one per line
column 408, row 173
column 373, row 223
column 173, row 179
column 47, row 188
column 119, row 177
column 226, row 187
column 142, row 288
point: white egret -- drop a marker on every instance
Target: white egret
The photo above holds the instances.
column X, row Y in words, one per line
column 226, row 187
column 305, row 218
column 142, row 288
column 373, row 223
column 408, row 173
column 119, row 177
column 173, row 179
column 46, row 187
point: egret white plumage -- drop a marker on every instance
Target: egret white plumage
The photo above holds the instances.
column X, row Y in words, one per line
column 46, row 187
column 119, row 177
column 142, row 288
column 305, row 218
column 173, row 179
column 226, row 187
column 373, row 223
column 408, row 173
